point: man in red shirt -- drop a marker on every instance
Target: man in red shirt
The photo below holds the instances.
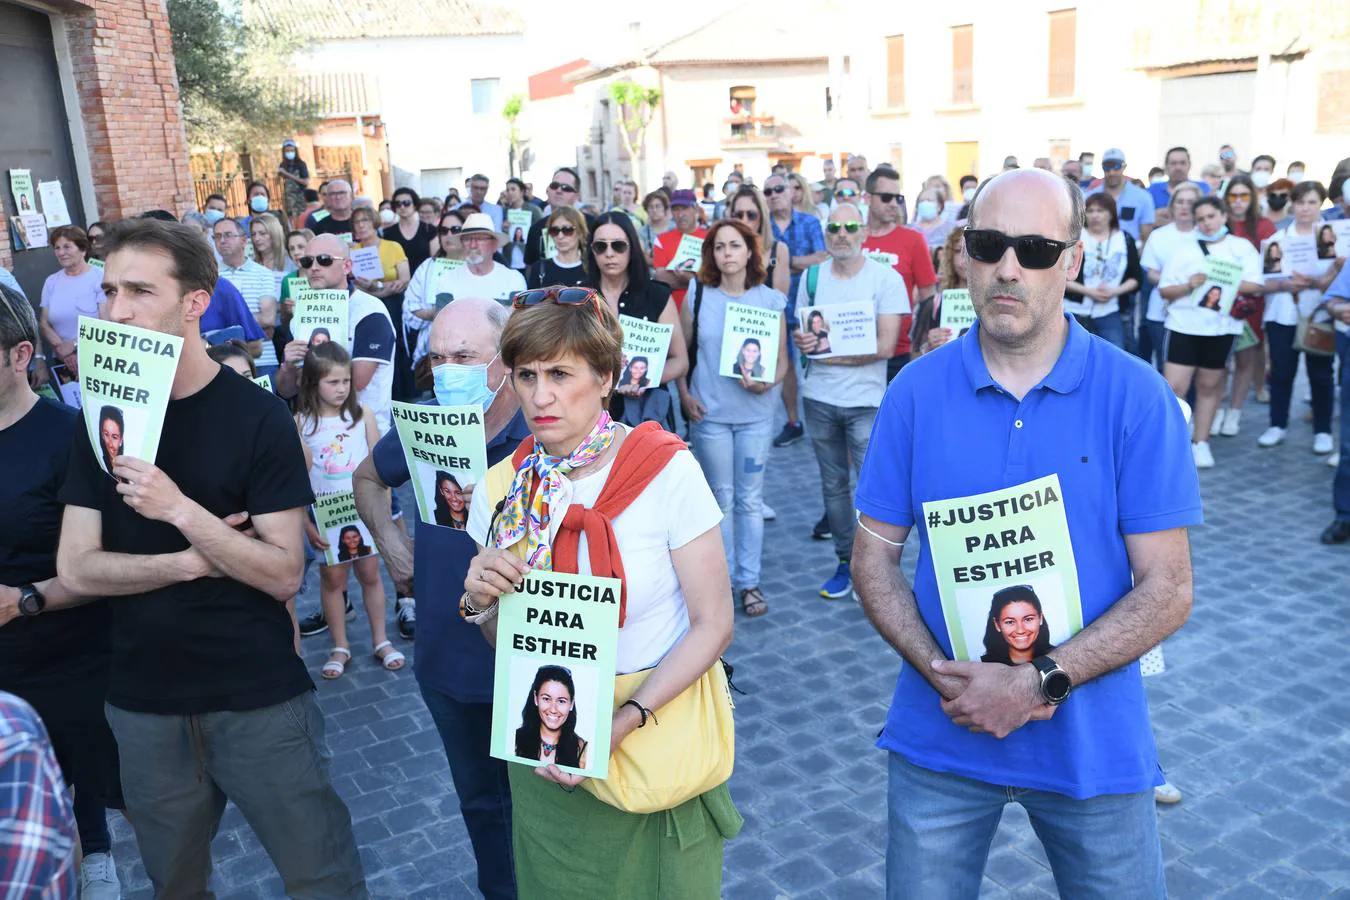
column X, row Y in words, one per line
column 901, row 248
column 684, row 209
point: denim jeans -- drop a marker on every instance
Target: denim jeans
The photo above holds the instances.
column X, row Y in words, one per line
column 1108, row 328
column 178, row 771
column 838, row 433
column 733, row 459
column 1341, row 486
column 942, row 825
column 1153, row 343
column 1283, row 371
column 482, row 786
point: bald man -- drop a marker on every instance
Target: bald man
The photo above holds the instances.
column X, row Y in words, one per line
column 454, row 662
column 336, row 215
column 1049, row 477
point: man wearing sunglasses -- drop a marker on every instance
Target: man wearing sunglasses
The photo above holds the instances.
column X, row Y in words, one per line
column 336, row 215
column 806, row 246
column 564, row 190
column 1134, row 205
column 1027, row 395
column 904, row 249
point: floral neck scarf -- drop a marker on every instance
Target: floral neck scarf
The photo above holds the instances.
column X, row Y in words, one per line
column 528, row 507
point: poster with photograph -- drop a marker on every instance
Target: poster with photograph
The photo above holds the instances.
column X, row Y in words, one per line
column 366, row 263
column 1005, row 572
column 21, row 189
column 1325, row 241
column 645, row 345
column 320, row 315
column 688, row 255
column 518, row 222
column 841, row 329
column 67, row 385
column 32, row 230
column 553, row 701
column 445, row 448
column 956, row 311
column 340, row 525
column 1222, row 277
column 1341, row 228
column 444, row 266
column 750, row 342
column 54, row 204
column 125, row 377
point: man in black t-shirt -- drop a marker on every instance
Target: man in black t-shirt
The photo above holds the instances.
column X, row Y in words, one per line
column 564, row 190
column 53, row 643
column 336, row 215
column 199, row 552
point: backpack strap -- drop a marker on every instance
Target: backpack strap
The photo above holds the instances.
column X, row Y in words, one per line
column 812, row 279
column 693, row 333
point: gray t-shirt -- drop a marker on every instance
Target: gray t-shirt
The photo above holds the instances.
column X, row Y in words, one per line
column 727, row 402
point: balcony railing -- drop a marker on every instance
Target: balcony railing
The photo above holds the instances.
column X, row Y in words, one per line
column 744, row 129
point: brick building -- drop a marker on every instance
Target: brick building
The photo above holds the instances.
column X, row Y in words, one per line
column 91, row 100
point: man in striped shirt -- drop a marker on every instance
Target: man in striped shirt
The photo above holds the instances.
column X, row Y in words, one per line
column 37, row 822
column 257, row 283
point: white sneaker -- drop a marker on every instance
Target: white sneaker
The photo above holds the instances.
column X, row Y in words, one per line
column 98, row 878
column 1270, row 437
column 767, row 513
column 1322, row 443
column 1334, row 460
column 1232, row 422
column 1166, row 794
column 1217, row 424
column 1204, row 459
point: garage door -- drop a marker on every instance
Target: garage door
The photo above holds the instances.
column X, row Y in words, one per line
column 36, row 134
column 1204, row 112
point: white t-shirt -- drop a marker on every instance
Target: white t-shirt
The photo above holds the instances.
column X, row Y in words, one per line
column 1282, row 308
column 497, row 285
column 1160, row 247
column 379, row 349
column 1103, row 264
column 851, row 386
column 675, row 508
column 1189, row 260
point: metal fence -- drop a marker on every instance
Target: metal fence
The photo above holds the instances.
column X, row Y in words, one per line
column 234, row 188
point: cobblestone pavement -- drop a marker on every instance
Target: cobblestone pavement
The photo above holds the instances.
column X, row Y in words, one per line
column 1252, row 719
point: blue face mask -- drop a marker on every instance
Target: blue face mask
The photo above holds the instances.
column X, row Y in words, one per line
column 1216, row 236
column 258, row 204
column 213, row 216
column 456, row 385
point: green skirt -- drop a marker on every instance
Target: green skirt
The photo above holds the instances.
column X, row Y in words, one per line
column 573, row 845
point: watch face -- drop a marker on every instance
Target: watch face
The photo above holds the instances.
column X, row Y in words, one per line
column 1057, row 686
column 29, row 605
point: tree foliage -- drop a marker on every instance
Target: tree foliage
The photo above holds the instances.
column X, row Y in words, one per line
column 511, row 112
column 232, row 79
column 636, row 106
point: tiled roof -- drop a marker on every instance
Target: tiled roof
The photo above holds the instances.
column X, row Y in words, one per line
column 758, row 31
column 329, row 20
column 339, row 94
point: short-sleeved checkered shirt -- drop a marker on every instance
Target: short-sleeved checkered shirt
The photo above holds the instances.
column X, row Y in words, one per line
column 37, row 821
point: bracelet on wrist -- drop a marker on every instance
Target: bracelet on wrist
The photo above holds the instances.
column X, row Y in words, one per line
column 642, row 711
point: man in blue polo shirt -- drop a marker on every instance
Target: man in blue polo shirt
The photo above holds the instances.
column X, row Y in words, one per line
column 452, row 661
column 1134, row 205
column 1177, row 162
column 1050, row 481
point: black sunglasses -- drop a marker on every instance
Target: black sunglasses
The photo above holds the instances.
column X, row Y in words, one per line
column 563, row 296
column 323, row 259
column 404, row 203
column 1112, row 166
column 777, row 189
column 620, row 247
column 443, row 230
column 1033, row 251
column 843, row 193
column 555, row 230
column 565, row 188
column 890, row 198
column 748, row 215
column 850, row 227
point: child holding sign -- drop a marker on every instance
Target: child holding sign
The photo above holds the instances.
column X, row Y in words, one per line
column 337, row 432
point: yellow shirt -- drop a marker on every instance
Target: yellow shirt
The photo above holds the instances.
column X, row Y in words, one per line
column 391, row 254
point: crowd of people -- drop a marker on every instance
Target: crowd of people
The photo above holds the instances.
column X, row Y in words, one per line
column 149, row 618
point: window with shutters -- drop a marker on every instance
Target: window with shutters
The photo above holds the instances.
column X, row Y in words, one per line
column 1063, row 51
column 963, row 64
column 895, row 71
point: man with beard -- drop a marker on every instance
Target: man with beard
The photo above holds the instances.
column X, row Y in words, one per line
column 481, row 275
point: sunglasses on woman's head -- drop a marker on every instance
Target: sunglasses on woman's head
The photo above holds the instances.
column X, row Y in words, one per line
column 1032, row 250
column 555, row 230
column 443, row 230
column 850, row 227
column 748, row 215
column 563, row 296
column 776, row 189
column 560, row 186
column 323, row 259
column 619, row 247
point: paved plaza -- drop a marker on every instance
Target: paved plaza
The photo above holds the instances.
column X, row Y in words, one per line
column 1252, row 718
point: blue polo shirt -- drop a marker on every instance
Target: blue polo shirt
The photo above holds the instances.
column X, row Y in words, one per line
column 1134, row 208
column 227, row 309
column 451, row 656
column 1162, row 192
column 803, row 237
column 1108, row 425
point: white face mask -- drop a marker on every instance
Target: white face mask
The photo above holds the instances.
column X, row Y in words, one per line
column 387, row 217
column 968, row 194
column 1295, row 175
column 1261, row 178
column 927, row 210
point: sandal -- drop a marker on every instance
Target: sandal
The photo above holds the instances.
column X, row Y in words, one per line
column 335, row 668
column 392, row 660
column 752, row 603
